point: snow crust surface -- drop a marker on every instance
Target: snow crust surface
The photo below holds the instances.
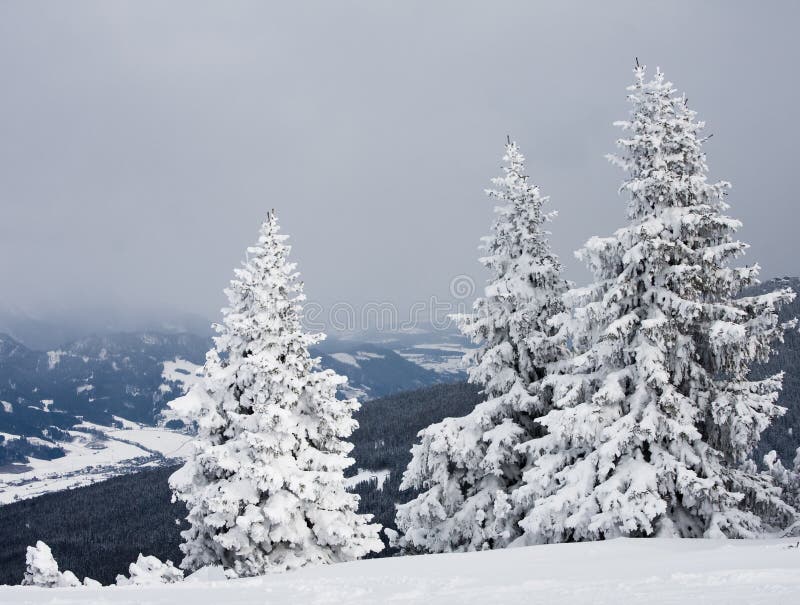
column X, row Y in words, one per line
column 622, row 572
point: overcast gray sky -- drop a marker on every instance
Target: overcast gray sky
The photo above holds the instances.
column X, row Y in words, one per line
column 141, row 143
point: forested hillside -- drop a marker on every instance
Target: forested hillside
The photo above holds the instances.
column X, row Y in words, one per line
column 103, row 379
column 99, row 529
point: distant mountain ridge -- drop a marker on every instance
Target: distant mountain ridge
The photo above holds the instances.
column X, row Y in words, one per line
column 96, row 378
column 111, row 378
column 375, row 371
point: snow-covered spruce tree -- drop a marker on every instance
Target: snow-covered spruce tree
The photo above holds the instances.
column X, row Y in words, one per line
column 265, row 484
column 467, row 467
column 655, row 417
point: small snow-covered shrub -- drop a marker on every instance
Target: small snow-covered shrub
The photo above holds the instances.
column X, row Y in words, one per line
column 42, row 570
column 150, row 570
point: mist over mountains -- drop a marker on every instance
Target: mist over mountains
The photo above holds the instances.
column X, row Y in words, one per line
column 50, row 329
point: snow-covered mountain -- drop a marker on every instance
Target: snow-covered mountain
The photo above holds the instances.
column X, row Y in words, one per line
column 122, row 375
column 376, row 371
column 88, row 409
column 439, row 349
column 97, row 379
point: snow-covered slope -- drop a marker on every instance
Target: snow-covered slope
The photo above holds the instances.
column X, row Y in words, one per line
column 134, row 376
column 621, row 572
column 93, row 453
column 120, row 383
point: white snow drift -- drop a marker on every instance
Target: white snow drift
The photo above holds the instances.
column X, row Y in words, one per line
column 618, row 572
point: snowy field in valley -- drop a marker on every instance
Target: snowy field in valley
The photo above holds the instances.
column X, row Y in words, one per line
column 444, row 358
column 95, row 453
column 98, row 452
column 621, row 572
column 365, row 476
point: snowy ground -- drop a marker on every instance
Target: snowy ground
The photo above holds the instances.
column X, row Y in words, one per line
column 619, row 571
column 96, row 453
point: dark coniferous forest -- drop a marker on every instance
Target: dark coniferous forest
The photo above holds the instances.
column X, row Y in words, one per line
column 98, row 530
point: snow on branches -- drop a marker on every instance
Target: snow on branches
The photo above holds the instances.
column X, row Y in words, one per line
column 150, row 570
column 654, row 417
column 265, row 483
column 467, row 467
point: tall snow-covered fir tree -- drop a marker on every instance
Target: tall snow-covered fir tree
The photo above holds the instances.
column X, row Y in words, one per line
column 264, row 486
column 655, row 417
column 467, row 467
